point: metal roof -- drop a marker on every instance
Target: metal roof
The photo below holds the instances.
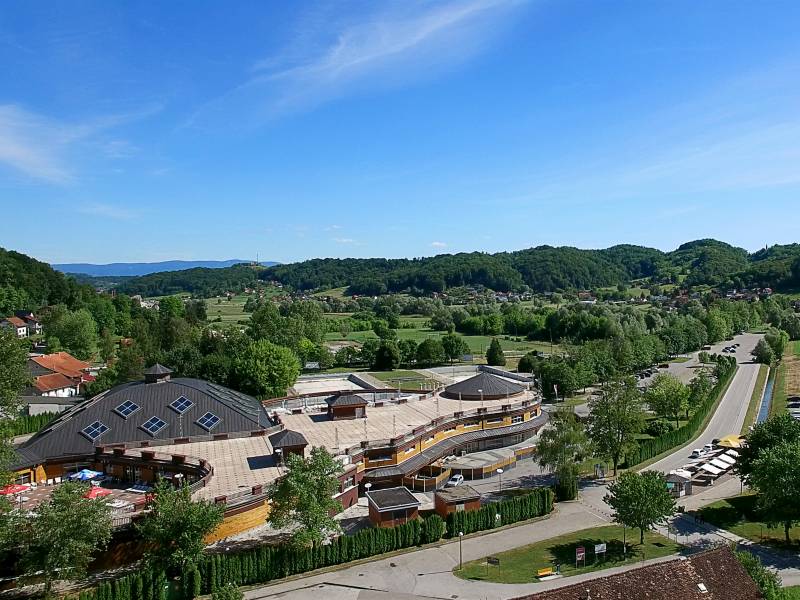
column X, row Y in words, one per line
column 287, row 438
column 392, row 498
column 158, row 369
column 492, row 386
column 62, row 436
column 346, row 400
column 459, row 493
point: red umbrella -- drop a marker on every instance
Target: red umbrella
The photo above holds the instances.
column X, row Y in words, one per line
column 14, row 488
column 97, row 492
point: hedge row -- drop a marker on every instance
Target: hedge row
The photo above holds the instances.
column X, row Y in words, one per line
column 537, row 503
column 144, row 584
column 648, row 449
column 25, row 424
column 265, row 563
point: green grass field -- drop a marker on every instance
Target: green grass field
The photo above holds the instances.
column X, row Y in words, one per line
column 755, row 399
column 792, row 593
column 787, row 375
column 405, row 379
column 229, row 311
column 738, row 515
column 521, row 564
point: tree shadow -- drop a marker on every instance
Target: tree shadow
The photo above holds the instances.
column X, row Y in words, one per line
column 565, row 553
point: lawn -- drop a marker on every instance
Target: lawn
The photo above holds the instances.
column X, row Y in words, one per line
column 521, row 564
column 228, row 311
column 792, row 593
column 738, row 515
column 787, row 379
column 755, row 399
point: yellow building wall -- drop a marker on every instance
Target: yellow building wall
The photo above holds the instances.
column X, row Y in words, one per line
column 241, row 522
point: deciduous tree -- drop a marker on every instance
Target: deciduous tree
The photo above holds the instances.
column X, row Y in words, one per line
column 640, row 500
column 615, row 417
column 562, row 446
column 667, row 396
column 266, row 369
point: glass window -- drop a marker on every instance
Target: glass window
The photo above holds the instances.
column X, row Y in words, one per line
column 153, row 425
column 181, row 405
column 126, row 409
column 95, row 430
column 208, row 421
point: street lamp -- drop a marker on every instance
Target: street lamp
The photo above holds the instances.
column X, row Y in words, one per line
column 481, row 393
column 367, row 486
column 500, row 473
column 460, row 551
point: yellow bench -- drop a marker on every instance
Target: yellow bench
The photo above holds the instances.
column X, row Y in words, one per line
column 544, row 572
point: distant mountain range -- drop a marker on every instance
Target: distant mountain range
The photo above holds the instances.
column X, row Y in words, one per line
column 136, row 269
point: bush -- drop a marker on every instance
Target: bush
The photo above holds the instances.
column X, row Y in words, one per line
column 566, row 490
column 658, row 427
column 228, row 591
column 433, row 529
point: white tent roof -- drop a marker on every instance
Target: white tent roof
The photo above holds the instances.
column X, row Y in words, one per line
column 732, row 452
column 722, row 465
column 726, row 459
column 711, row 469
column 681, row 473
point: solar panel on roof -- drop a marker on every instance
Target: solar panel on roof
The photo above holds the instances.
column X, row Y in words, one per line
column 153, row 425
column 181, row 405
column 208, row 421
column 126, row 409
column 95, row 430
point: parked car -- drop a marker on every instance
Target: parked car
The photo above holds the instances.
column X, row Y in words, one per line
column 455, row 480
column 696, row 453
column 708, row 448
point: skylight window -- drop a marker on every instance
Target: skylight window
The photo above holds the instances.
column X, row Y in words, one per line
column 153, row 425
column 181, row 405
column 126, row 409
column 95, row 430
column 208, row 421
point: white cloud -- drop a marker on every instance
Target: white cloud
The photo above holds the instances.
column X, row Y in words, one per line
column 39, row 146
column 344, row 240
column 438, row 245
column 108, row 211
column 387, row 45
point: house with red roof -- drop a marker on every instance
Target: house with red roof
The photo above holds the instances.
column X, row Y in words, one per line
column 58, row 374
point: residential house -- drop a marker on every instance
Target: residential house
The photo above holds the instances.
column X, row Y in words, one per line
column 59, row 374
column 15, row 324
column 33, row 323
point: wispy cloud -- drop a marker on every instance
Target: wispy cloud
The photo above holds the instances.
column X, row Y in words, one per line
column 41, row 147
column 344, row 240
column 108, row 211
column 438, row 245
column 385, row 46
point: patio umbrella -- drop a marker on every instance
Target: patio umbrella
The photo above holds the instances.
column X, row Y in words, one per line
column 84, row 475
column 14, row 488
column 97, row 492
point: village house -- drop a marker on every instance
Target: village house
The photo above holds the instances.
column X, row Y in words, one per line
column 59, row 374
column 15, row 324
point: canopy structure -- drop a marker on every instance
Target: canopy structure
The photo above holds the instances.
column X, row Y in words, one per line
column 721, row 465
column 732, row 453
column 14, row 488
column 731, row 441
column 97, row 492
column 711, row 469
column 84, row 475
column 726, row 459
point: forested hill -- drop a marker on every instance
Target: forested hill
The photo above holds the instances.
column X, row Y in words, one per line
column 26, row 283
column 546, row 268
column 134, row 269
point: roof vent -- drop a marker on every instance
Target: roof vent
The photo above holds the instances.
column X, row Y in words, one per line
column 702, row 587
column 157, row 373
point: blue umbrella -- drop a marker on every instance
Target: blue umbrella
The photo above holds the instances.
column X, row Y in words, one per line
column 84, row 475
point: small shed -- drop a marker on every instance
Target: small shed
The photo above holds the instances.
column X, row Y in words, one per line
column 346, row 406
column 392, row 506
column 679, row 483
column 456, row 499
column 287, row 442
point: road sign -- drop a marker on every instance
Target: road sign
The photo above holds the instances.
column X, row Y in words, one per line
column 599, row 548
column 580, row 553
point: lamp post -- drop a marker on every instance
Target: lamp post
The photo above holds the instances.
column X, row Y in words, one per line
column 460, row 551
column 481, row 393
column 367, row 486
column 500, row 473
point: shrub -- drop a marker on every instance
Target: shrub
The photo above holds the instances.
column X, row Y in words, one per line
column 659, row 427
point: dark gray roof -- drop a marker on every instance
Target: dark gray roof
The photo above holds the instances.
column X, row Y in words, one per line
column 287, row 438
column 237, row 412
column 157, row 369
column 346, row 400
column 392, row 498
column 492, row 386
column 459, row 493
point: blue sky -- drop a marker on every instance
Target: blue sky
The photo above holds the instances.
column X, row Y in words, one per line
column 146, row 131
